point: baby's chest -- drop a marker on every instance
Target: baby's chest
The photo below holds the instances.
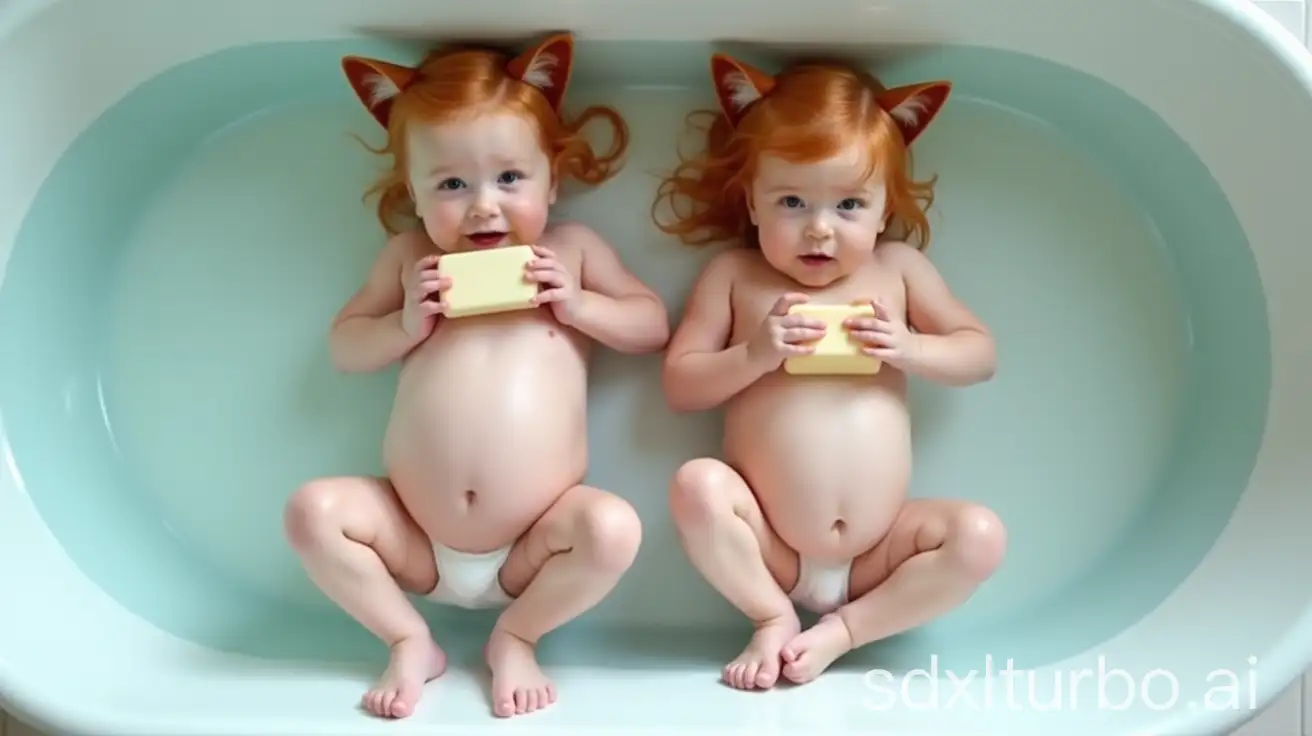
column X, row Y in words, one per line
column 753, row 303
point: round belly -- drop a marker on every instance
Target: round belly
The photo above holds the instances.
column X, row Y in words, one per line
column 487, row 433
column 829, row 462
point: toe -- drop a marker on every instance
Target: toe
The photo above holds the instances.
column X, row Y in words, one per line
column 503, row 703
column 768, row 675
column 400, row 708
column 798, row 672
column 749, row 674
column 790, row 671
column 739, row 676
column 402, row 703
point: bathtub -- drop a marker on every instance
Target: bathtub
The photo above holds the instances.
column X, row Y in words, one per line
column 1123, row 198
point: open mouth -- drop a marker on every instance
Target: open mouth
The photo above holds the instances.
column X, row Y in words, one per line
column 486, row 239
column 816, row 259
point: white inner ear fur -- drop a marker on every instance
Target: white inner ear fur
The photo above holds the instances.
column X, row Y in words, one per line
column 909, row 111
column 538, row 73
column 741, row 90
column 381, row 89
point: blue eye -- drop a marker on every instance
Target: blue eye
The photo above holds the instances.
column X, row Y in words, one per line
column 851, row 203
column 791, row 201
column 451, row 184
column 509, row 177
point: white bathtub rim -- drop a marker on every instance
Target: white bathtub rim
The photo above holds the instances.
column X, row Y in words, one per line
column 1293, row 653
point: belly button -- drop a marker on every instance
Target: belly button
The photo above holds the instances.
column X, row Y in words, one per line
column 839, row 527
column 551, row 333
column 469, row 498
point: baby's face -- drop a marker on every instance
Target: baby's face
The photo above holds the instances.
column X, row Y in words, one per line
column 480, row 183
column 818, row 222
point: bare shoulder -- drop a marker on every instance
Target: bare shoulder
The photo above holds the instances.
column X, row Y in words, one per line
column 382, row 290
column 573, row 237
column 407, row 247
column 400, row 251
column 731, row 266
column 901, row 256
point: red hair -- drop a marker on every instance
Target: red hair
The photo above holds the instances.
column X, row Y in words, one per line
column 808, row 113
column 453, row 84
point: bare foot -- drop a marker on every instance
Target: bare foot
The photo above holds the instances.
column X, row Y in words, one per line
column 415, row 661
column 518, row 685
column 812, row 651
column 758, row 665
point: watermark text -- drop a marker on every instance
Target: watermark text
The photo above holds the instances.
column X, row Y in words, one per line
column 1104, row 686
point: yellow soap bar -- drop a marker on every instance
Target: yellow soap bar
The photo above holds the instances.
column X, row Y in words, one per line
column 837, row 353
column 487, row 281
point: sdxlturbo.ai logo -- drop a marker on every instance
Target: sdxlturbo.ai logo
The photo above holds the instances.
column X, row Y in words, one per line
column 1099, row 688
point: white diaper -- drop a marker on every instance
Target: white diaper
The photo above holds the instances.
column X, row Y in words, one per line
column 821, row 588
column 469, row 580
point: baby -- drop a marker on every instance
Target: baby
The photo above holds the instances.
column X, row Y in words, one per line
column 809, row 505
column 483, row 503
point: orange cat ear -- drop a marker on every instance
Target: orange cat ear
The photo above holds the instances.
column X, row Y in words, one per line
column 376, row 83
column 738, row 85
column 546, row 66
column 914, row 106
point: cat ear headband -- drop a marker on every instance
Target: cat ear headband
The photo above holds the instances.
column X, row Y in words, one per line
column 913, row 106
column 546, row 66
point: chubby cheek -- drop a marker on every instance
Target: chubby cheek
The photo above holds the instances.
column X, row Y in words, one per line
column 779, row 245
column 857, row 239
column 778, row 236
column 855, row 249
column 527, row 218
column 441, row 221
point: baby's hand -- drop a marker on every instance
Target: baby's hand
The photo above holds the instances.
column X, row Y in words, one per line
column 882, row 336
column 558, row 286
column 423, row 297
column 782, row 335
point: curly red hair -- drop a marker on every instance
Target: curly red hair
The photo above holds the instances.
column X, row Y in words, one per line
column 452, row 83
column 810, row 112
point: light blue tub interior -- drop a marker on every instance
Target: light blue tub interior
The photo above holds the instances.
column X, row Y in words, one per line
column 166, row 383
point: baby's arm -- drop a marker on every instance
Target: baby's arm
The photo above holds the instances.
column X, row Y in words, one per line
column 615, row 307
column 367, row 335
column 700, row 372
column 952, row 345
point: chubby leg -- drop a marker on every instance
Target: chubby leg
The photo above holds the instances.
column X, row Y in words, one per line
column 726, row 536
column 566, row 563
column 362, row 549
column 932, row 559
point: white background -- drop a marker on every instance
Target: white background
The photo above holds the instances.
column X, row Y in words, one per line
column 1285, row 716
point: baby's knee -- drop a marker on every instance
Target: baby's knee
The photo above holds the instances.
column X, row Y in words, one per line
column 699, row 492
column 313, row 513
column 613, row 532
column 980, row 540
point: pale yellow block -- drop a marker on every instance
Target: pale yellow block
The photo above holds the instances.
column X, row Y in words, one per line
column 487, row 281
column 837, row 353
